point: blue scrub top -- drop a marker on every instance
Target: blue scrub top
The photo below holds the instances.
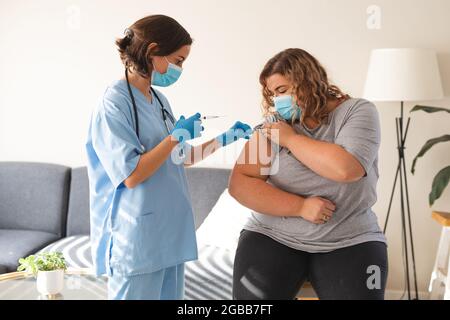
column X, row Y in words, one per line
column 149, row 227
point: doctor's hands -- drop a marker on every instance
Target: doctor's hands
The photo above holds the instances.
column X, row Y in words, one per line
column 191, row 128
column 237, row 131
column 316, row 210
column 187, row 129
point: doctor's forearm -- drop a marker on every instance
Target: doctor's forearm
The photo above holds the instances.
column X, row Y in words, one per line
column 200, row 152
column 258, row 195
column 150, row 162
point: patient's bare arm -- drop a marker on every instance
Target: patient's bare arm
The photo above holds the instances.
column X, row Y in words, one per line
column 249, row 187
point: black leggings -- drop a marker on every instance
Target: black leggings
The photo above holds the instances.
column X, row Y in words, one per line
column 267, row 269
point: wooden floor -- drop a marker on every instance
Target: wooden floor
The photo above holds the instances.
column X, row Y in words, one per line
column 307, row 287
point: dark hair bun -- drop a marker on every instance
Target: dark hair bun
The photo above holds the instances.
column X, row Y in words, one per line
column 124, row 42
column 166, row 32
column 129, row 33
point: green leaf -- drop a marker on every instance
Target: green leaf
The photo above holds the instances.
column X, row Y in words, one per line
column 427, row 146
column 45, row 261
column 440, row 181
column 428, row 109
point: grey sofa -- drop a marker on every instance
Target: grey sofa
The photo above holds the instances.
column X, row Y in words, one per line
column 42, row 204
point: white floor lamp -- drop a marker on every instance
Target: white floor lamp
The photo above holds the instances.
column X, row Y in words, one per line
column 403, row 75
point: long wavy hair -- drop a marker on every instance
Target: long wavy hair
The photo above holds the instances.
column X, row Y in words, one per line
column 310, row 84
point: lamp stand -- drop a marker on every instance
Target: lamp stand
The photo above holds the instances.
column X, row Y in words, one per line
column 401, row 171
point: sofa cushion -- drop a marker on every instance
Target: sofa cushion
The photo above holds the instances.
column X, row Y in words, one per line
column 76, row 250
column 34, row 196
column 211, row 276
column 78, row 212
column 16, row 244
column 3, row 269
column 205, row 186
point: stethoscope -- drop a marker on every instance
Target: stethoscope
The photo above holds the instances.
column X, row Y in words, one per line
column 165, row 114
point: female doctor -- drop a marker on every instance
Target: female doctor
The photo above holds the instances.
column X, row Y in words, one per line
column 142, row 227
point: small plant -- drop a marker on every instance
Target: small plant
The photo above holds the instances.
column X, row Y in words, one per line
column 46, row 261
column 442, row 178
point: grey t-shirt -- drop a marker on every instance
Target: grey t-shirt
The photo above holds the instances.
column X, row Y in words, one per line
column 354, row 125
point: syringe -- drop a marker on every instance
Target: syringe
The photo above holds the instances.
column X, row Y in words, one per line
column 210, row 117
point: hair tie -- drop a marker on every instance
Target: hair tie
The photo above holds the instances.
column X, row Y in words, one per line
column 129, row 34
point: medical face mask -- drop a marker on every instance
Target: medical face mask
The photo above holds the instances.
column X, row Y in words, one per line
column 166, row 79
column 286, row 107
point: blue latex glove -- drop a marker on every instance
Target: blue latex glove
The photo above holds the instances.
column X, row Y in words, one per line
column 187, row 129
column 237, row 131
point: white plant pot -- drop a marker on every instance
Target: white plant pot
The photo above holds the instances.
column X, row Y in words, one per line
column 50, row 282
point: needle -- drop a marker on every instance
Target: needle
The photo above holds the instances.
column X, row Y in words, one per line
column 211, row 117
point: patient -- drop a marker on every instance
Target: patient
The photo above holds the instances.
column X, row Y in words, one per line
column 312, row 202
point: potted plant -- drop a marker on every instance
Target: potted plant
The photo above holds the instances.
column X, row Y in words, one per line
column 442, row 178
column 48, row 268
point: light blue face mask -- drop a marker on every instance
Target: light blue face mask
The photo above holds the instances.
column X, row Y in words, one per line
column 286, row 107
column 166, row 79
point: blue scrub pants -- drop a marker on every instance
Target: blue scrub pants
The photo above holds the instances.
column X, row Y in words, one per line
column 165, row 284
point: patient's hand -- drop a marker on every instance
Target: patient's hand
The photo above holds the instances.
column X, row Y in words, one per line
column 317, row 210
column 279, row 132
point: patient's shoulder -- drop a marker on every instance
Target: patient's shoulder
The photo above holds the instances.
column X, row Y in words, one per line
column 352, row 107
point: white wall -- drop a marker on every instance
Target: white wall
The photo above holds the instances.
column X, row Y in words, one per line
column 56, row 57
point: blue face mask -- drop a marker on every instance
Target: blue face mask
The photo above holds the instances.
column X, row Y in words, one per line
column 286, row 107
column 166, row 79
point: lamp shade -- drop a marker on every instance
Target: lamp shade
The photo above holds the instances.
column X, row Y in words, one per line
column 403, row 75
